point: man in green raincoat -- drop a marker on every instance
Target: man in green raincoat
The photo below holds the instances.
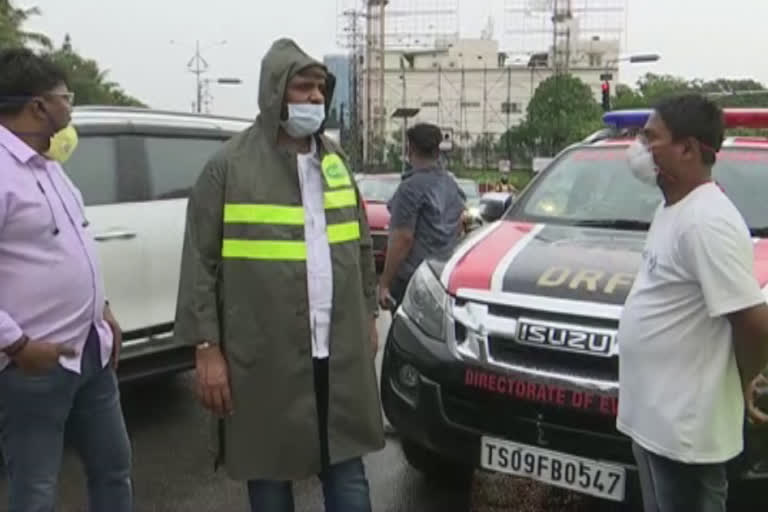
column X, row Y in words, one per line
column 278, row 294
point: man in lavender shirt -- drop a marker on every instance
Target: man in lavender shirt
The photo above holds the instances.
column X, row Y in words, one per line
column 59, row 343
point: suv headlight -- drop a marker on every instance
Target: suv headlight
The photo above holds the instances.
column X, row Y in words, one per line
column 426, row 302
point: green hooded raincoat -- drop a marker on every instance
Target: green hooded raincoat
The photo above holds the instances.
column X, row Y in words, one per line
column 244, row 285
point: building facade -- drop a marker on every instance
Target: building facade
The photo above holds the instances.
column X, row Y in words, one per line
column 340, row 66
column 471, row 89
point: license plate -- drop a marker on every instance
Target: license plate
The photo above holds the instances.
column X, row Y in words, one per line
column 575, row 473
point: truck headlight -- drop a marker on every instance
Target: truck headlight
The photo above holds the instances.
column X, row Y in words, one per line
column 426, row 302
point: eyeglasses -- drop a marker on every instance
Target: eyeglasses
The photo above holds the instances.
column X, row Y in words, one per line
column 69, row 97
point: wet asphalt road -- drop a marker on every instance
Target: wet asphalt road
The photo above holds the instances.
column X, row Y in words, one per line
column 173, row 470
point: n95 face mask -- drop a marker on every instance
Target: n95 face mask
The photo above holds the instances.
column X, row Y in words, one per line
column 640, row 160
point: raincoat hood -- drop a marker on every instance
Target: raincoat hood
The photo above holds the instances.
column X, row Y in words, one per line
column 284, row 60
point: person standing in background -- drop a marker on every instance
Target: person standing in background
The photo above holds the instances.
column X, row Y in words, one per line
column 427, row 212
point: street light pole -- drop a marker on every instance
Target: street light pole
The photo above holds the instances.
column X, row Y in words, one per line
column 404, row 156
column 607, row 76
column 199, row 66
column 198, row 72
column 206, row 97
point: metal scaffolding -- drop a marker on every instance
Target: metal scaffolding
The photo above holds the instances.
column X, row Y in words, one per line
column 371, row 28
column 561, row 30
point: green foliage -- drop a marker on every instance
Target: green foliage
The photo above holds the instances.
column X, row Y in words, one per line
column 517, row 178
column 394, row 157
column 12, row 20
column 628, row 98
column 87, row 81
column 652, row 88
column 562, row 111
column 518, row 144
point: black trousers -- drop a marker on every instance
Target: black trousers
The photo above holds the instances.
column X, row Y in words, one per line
column 321, row 397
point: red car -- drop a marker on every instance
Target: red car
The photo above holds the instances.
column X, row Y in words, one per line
column 377, row 190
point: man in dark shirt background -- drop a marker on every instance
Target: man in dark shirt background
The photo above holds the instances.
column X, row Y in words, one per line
column 426, row 214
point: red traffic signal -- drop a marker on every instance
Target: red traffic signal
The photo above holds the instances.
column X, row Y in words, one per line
column 606, row 96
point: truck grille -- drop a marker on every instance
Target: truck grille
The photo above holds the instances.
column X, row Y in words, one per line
column 569, row 363
column 507, row 349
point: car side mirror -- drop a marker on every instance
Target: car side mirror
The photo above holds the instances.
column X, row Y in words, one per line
column 491, row 212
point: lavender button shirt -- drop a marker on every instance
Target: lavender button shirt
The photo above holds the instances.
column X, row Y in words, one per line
column 51, row 287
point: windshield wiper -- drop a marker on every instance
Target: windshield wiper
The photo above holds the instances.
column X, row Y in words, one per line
column 632, row 224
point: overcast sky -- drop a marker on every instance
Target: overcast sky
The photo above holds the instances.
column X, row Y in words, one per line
column 696, row 38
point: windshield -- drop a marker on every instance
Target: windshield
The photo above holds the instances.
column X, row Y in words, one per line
column 470, row 190
column 378, row 189
column 595, row 184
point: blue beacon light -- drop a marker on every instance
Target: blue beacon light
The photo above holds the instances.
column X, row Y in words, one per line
column 627, row 118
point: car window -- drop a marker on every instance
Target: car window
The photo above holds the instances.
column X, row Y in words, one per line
column 93, row 169
column 378, row 189
column 741, row 172
column 470, row 189
column 176, row 163
column 596, row 184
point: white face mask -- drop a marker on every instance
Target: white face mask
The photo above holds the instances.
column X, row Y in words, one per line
column 304, row 119
column 641, row 163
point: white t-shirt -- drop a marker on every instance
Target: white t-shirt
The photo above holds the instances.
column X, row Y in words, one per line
column 680, row 392
column 319, row 267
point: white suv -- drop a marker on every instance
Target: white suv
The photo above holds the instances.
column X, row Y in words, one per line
column 135, row 168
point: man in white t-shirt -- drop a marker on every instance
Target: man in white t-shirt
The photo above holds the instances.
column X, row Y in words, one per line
column 694, row 331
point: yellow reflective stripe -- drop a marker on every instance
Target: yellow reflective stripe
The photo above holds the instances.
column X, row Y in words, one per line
column 335, row 172
column 264, row 250
column 263, row 214
column 345, row 232
column 340, row 199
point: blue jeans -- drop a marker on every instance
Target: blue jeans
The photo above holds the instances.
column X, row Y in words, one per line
column 36, row 411
column 345, row 488
column 671, row 486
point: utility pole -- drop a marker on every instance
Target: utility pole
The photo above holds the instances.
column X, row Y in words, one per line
column 405, row 119
column 198, row 65
column 509, row 112
column 463, row 116
column 485, row 115
column 439, row 95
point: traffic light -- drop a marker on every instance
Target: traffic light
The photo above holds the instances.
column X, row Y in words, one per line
column 606, row 95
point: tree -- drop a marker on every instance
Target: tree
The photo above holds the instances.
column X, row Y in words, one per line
column 87, row 81
column 12, row 20
column 483, row 149
column 652, row 88
column 562, row 111
column 518, row 144
column 627, row 98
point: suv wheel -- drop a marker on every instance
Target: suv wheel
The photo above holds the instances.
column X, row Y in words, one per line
column 435, row 467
